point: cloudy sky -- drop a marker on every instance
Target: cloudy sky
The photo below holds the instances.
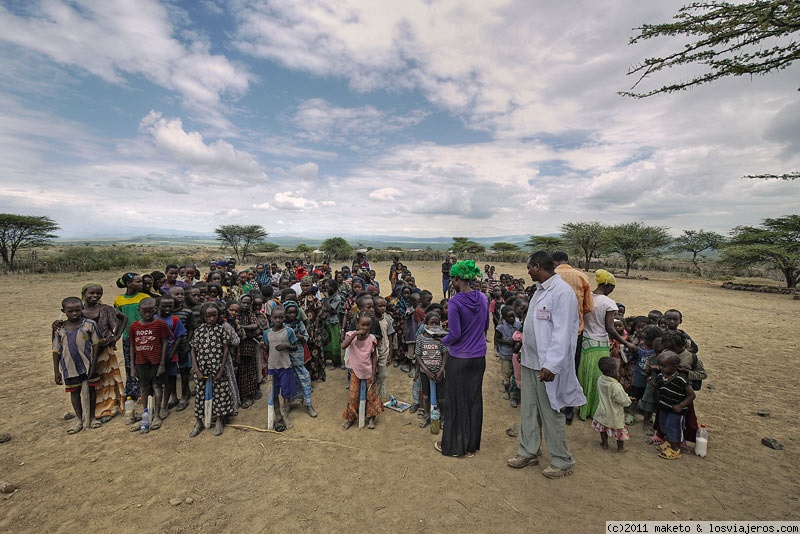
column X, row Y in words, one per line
column 413, row 117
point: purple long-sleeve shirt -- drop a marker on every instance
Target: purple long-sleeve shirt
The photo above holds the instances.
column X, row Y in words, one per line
column 468, row 319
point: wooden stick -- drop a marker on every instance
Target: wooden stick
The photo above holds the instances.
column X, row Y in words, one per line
column 512, row 506
column 270, row 405
column 362, row 404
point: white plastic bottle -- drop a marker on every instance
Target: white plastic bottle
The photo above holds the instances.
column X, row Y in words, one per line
column 130, row 406
column 701, row 441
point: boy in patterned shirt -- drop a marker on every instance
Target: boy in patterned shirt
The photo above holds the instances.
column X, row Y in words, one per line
column 75, row 348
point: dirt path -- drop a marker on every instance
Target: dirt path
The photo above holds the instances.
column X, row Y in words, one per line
column 316, row 478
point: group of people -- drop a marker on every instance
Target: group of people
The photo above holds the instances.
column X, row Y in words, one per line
column 564, row 349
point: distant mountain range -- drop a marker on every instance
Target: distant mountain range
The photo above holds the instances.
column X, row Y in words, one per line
column 169, row 237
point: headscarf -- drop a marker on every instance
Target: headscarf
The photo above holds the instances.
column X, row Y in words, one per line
column 465, row 270
column 87, row 286
column 603, row 277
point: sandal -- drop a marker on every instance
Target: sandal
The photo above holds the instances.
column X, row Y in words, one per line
column 437, row 445
column 670, row 454
column 74, row 429
column 96, row 424
column 425, row 422
column 654, row 440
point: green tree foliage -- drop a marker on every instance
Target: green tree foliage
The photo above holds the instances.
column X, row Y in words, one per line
column 697, row 242
column 776, row 244
column 633, row 241
column 266, row 246
column 584, row 236
column 23, row 231
column 544, row 242
column 463, row 244
column 502, row 246
column 302, row 248
column 337, row 248
column 727, row 39
column 241, row 238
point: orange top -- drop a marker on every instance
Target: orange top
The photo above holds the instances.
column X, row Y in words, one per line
column 583, row 290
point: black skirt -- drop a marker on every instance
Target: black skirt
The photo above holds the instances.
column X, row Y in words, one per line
column 463, row 418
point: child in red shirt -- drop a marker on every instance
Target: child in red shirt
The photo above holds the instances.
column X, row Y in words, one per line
column 150, row 338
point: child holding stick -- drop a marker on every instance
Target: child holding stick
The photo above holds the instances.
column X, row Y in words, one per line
column 363, row 359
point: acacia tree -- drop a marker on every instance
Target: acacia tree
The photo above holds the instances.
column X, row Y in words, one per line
column 241, row 238
column 337, row 248
column 463, row 244
column 633, row 241
column 776, row 243
column 727, row 39
column 584, row 236
column 502, row 246
column 696, row 242
column 23, row 231
column 544, row 242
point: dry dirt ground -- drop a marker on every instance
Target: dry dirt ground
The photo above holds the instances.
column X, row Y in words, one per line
column 316, row 478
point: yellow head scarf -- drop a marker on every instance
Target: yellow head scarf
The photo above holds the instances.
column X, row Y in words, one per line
column 604, row 277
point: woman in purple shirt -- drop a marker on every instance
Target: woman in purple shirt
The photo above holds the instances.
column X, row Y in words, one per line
column 468, row 319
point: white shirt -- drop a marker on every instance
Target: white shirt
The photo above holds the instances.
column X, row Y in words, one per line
column 594, row 322
column 549, row 341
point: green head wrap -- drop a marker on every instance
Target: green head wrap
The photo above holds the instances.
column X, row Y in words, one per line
column 465, row 270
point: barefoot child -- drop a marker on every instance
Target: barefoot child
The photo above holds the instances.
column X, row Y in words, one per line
column 75, row 347
column 385, row 343
column 362, row 360
column 166, row 305
column 210, row 346
column 281, row 342
column 150, row 338
column 609, row 418
column 302, row 376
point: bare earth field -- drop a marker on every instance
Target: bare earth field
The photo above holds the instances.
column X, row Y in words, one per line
column 316, row 478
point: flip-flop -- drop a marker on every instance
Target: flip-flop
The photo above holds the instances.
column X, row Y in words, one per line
column 437, row 445
column 96, row 424
column 654, row 440
column 74, row 429
column 469, row 454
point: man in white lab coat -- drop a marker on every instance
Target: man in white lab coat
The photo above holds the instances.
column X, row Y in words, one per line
column 548, row 382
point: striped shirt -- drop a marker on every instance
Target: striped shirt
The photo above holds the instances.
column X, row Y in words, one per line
column 671, row 391
column 75, row 347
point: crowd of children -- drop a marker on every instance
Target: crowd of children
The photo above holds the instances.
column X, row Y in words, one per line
column 233, row 331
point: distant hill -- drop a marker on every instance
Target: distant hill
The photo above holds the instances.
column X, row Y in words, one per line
column 169, row 238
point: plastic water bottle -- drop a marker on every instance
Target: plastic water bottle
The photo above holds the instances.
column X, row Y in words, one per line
column 701, row 441
column 130, row 406
column 145, row 421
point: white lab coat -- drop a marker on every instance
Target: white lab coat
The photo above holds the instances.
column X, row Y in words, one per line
column 553, row 320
